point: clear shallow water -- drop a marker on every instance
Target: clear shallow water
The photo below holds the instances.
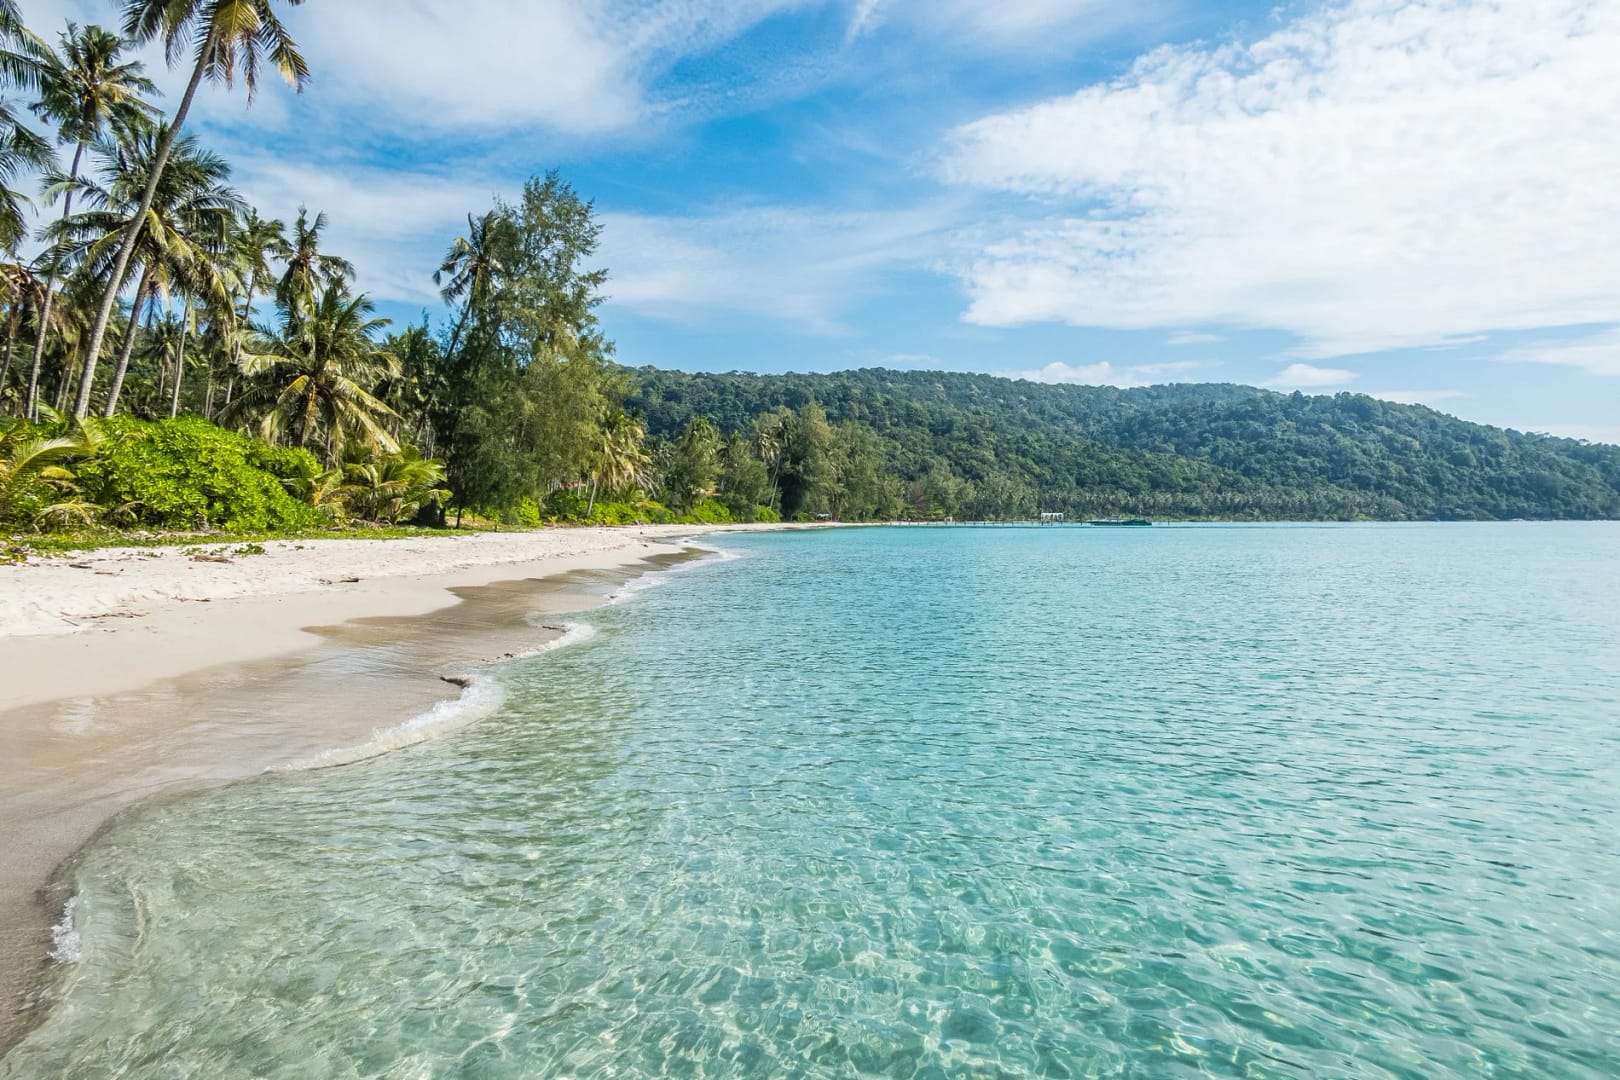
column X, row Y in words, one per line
column 1286, row 801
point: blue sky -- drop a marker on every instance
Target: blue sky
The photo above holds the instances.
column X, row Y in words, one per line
column 1410, row 198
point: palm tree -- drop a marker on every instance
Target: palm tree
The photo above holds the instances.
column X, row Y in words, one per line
column 232, row 38
column 183, row 230
column 254, row 243
column 309, row 270
column 618, row 461
column 469, row 268
column 391, row 487
column 84, row 90
column 770, row 440
column 33, row 469
column 22, row 62
column 22, row 291
column 413, row 393
column 316, row 376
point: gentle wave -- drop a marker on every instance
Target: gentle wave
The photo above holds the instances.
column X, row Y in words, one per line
column 653, row 579
column 480, row 699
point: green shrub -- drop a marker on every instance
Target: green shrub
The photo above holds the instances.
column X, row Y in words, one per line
column 189, row 474
column 527, row 513
column 573, row 505
column 709, row 512
column 766, row 516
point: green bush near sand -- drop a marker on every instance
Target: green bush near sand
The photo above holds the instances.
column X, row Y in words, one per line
column 574, row 506
column 189, row 474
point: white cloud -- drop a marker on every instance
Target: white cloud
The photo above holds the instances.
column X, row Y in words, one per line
column 1184, row 337
column 795, row 265
column 571, row 66
column 1595, row 354
column 1305, row 376
column 1377, row 174
column 392, row 224
column 1106, row 374
column 1416, row 397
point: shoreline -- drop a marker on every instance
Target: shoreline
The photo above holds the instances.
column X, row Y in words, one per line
column 116, row 619
column 212, row 680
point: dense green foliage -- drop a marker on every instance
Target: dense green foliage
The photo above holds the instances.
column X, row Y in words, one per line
column 976, row 446
column 189, row 474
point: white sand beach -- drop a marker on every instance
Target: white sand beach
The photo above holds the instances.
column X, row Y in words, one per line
column 116, row 618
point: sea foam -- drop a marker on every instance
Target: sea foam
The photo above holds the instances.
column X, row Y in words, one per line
column 480, row 698
column 66, row 944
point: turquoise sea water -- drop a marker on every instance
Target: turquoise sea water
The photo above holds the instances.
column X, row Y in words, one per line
column 1247, row 801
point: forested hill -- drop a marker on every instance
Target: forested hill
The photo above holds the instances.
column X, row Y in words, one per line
column 987, row 446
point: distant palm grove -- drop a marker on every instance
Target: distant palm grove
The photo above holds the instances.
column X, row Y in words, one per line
column 174, row 359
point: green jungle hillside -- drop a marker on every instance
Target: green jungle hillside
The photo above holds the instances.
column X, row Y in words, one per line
column 977, row 446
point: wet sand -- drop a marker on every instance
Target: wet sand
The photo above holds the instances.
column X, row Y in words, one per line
column 68, row 765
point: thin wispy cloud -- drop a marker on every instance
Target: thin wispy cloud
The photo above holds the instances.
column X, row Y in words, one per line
column 1595, row 353
column 1310, row 377
column 1376, row 174
column 795, row 265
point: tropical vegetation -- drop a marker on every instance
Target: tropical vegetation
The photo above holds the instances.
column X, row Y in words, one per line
column 174, row 359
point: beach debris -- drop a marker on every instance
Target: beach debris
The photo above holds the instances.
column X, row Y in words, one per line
column 456, row 680
column 205, row 557
column 339, row 581
column 82, row 565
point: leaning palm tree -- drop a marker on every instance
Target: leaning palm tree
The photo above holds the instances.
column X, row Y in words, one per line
column 85, row 89
column 310, row 271
column 181, row 236
column 769, row 440
column 313, row 379
column 229, row 39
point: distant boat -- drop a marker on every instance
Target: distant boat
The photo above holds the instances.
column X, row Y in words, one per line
column 1120, row 522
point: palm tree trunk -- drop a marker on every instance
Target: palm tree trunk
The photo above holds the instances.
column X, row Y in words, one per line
column 142, row 291
column 180, row 358
column 592, row 504
column 65, row 387
column 50, row 291
column 115, row 284
column 11, row 341
column 305, row 419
